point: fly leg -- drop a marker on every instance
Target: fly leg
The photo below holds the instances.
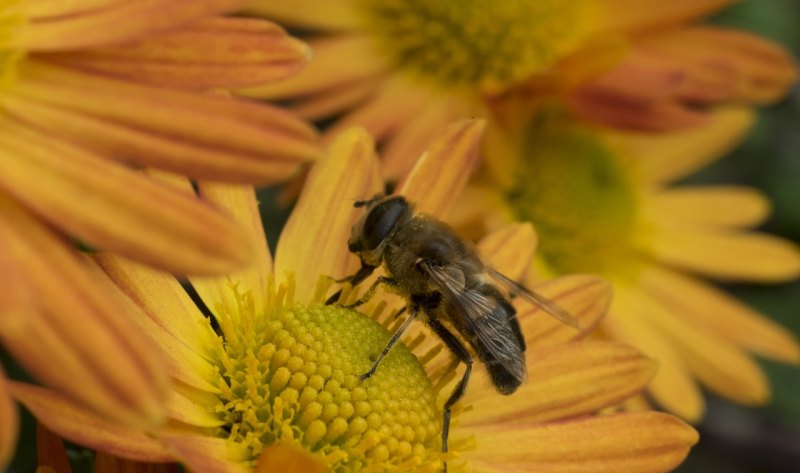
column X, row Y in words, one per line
column 460, row 351
column 371, row 291
column 363, row 273
column 395, row 337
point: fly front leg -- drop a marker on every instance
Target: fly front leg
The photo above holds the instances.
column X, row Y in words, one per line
column 460, row 351
column 371, row 292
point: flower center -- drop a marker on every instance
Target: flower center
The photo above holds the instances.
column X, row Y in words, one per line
column 291, row 373
column 574, row 187
column 475, row 42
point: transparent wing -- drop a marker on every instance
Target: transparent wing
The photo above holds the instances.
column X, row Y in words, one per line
column 546, row 304
column 485, row 318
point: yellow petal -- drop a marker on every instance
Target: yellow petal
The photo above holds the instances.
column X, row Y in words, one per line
column 509, row 250
column 645, row 16
column 80, row 426
column 287, row 458
column 314, row 240
column 206, row 454
column 720, row 365
column 565, row 380
column 648, row 442
column 586, row 298
column 113, row 207
column 310, row 13
column 73, row 25
column 213, row 52
column 441, row 174
column 199, row 135
column 669, row 156
column 185, row 410
column 720, row 314
column 104, row 359
column 240, row 203
column 728, row 255
column 105, row 463
column 9, row 419
column 50, row 452
column 730, row 206
column 673, row 386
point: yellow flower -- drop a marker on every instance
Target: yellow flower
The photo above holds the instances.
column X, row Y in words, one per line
column 272, row 382
column 603, row 204
column 404, row 69
column 91, row 91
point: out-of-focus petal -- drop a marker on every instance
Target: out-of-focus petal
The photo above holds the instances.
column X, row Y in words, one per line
column 444, row 168
column 719, row 313
column 50, row 452
column 586, row 298
column 75, row 25
column 287, row 458
column 565, row 380
column 80, row 426
column 730, row 206
column 206, row 454
column 510, row 249
column 105, row 463
column 644, row 442
column 104, row 360
column 670, row 156
column 314, row 240
column 113, row 207
column 635, row 16
column 321, row 14
column 728, row 255
column 198, row 135
column 9, row 419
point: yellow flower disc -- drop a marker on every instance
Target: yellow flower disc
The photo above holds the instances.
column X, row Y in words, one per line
column 575, row 188
column 291, row 373
column 475, row 42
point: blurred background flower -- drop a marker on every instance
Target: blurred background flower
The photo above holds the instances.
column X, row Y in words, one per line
column 403, row 69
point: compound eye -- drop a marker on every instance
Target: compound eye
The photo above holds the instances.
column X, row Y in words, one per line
column 381, row 220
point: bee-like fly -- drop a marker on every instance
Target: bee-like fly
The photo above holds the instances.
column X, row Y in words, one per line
column 448, row 285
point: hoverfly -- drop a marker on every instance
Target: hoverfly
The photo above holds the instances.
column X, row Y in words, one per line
column 448, row 286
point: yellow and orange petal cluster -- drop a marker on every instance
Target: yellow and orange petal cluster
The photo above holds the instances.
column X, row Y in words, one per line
column 404, row 69
column 288, row 400
column 96, row 95
column 605, row 203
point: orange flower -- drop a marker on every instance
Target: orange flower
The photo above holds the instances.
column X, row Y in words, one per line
column 275, row 384
column 404, row 69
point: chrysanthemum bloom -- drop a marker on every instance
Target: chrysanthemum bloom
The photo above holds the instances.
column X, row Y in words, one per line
column 602, row 204
column 403, row 69
column 90, row 92
column 276, row 387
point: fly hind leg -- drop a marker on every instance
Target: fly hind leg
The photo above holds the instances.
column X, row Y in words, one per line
column 460, row 351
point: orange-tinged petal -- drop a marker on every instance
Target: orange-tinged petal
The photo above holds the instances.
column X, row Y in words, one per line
column 728, row 255
column 73, row 25
column 586, row 298
column 198, row 135
column 105, row 463
column 730, row 206
column 700, row 303
column 240, row 203
column 185, row 410
column 310, row 13
column 113, row 207
column 287, row 458
column 647, row 442
column 9, row 419
column 670, row 156
column 105, row 360
column 634, row 16
column 50, row 452
column 213, row 52
column 338, row 61
column 80, row 426
column 206, row 454
column 441, row 173
column 314, row 240
column 509, row 250
column 565, row 380
column 720, row 365
column 673, row 386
